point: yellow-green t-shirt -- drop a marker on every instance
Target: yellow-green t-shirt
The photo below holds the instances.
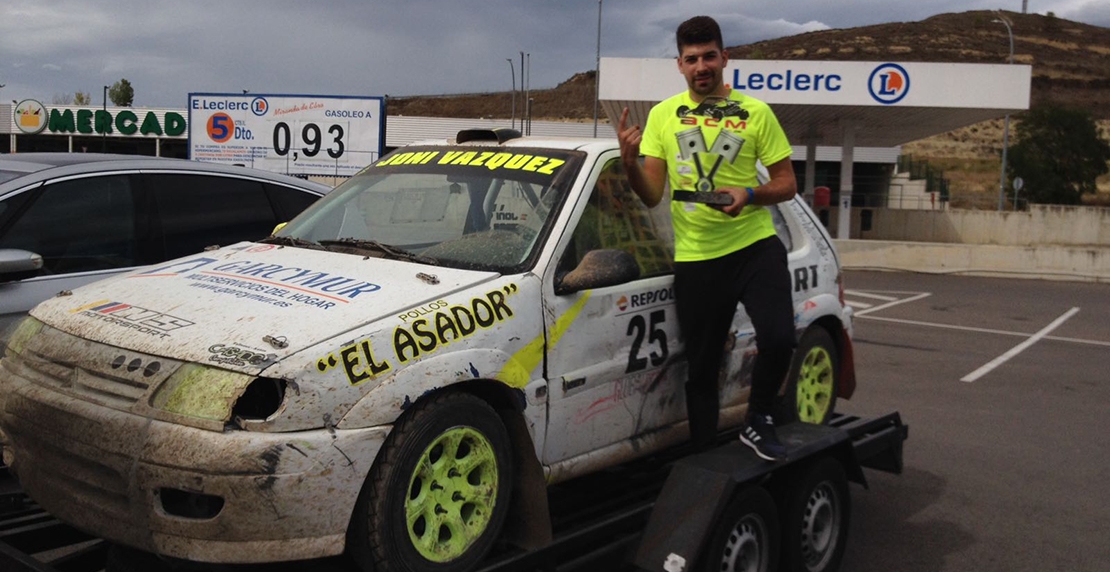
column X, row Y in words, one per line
column 714, row 144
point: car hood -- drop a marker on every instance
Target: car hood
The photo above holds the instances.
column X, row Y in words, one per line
column 258, row 300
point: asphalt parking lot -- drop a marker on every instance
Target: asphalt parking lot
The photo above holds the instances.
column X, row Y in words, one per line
column 1005, row 387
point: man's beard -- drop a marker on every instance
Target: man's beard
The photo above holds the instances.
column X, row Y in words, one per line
column 713, row 84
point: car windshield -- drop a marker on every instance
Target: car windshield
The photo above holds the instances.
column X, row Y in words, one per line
column 461, row 207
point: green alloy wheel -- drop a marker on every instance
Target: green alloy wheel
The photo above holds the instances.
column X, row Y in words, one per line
column 811, row 395
column 439, row 491
column 452, row 494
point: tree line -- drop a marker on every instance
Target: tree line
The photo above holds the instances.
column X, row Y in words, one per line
column 121, row 94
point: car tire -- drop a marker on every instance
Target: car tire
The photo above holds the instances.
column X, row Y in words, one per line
column 439, row 490
column 810, row 393
column 746, row 536
column 815, row 518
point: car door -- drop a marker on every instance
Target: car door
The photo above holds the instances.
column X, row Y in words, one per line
column 85, row 228
column 612, row 351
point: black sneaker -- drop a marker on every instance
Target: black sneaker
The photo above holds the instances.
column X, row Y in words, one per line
column 759, row 434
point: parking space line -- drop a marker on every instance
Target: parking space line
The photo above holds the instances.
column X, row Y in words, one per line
column 946, row 326
column 857, row 304
column 869, row 295
column 1018, row 348
column 983, row 330
column 894, row 303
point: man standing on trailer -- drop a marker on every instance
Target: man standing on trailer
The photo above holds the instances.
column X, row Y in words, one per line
column 726, row 250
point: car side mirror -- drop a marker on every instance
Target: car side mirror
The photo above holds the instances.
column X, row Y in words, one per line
column 598, row 269
column 16, row 264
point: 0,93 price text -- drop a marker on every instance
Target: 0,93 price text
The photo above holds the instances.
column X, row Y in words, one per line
column 312, row 138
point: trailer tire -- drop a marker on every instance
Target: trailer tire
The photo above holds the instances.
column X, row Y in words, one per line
column 746, row 536
column 810, row 394
column 815, row 517
column 438, row 493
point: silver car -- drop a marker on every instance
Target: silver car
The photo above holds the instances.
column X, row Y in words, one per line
column 67, row 219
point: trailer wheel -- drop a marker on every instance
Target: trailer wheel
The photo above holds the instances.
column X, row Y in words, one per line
column 815, row 518
column 439, row 491
column 746, row 536
column 810, row 394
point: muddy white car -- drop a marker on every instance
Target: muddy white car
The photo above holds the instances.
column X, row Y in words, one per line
column 403, row 365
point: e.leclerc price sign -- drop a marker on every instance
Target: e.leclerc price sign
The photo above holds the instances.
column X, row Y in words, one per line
column 292, row 134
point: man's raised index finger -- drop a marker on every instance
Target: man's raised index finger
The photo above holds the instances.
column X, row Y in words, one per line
column 623, row 120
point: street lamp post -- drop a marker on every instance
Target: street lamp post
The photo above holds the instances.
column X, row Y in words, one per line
column 512, row 70
column 523, row 95
column 597, row 68
column 526, row 84
column 1006, row 128
column 104, row 135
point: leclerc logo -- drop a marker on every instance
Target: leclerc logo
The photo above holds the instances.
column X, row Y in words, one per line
column 259, row 106
column 889, row 83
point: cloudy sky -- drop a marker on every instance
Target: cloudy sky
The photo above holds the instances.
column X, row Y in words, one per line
column 53, row 48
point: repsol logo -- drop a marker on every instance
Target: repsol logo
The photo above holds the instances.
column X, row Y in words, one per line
column 650, row 298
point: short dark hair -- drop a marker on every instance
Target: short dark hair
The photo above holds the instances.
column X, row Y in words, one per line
column 698, row 30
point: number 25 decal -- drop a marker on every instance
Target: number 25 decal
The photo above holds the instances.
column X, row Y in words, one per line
column 638, row 328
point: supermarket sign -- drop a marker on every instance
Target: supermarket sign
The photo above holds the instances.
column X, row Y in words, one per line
column 291, row 134
column 32, row 117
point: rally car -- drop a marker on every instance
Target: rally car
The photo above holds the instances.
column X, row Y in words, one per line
column 403, row 365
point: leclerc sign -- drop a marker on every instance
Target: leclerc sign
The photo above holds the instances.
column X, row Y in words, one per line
column 292, row 134
column 888, row 83
column 912, row 84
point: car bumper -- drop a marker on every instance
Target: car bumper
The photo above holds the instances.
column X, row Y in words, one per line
column 285, row 496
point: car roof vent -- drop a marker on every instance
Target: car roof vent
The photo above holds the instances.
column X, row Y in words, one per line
column 500, row 135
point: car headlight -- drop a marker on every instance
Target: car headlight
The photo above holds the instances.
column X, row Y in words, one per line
column 16, row 338
column 218, row 396
column 195, row 390
column 262, row 398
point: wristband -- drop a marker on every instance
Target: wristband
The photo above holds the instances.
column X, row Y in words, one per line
column 751, row 196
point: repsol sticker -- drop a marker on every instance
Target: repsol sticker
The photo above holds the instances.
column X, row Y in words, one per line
column 645, row 299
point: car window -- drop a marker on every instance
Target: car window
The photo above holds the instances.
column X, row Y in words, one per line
column 469, row 207
column 289, row 201
column 616, row 218
column 78, row 225
column 781, row 228
column 196, row 211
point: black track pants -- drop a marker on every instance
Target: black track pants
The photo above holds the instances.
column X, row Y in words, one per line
column 706, row 295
